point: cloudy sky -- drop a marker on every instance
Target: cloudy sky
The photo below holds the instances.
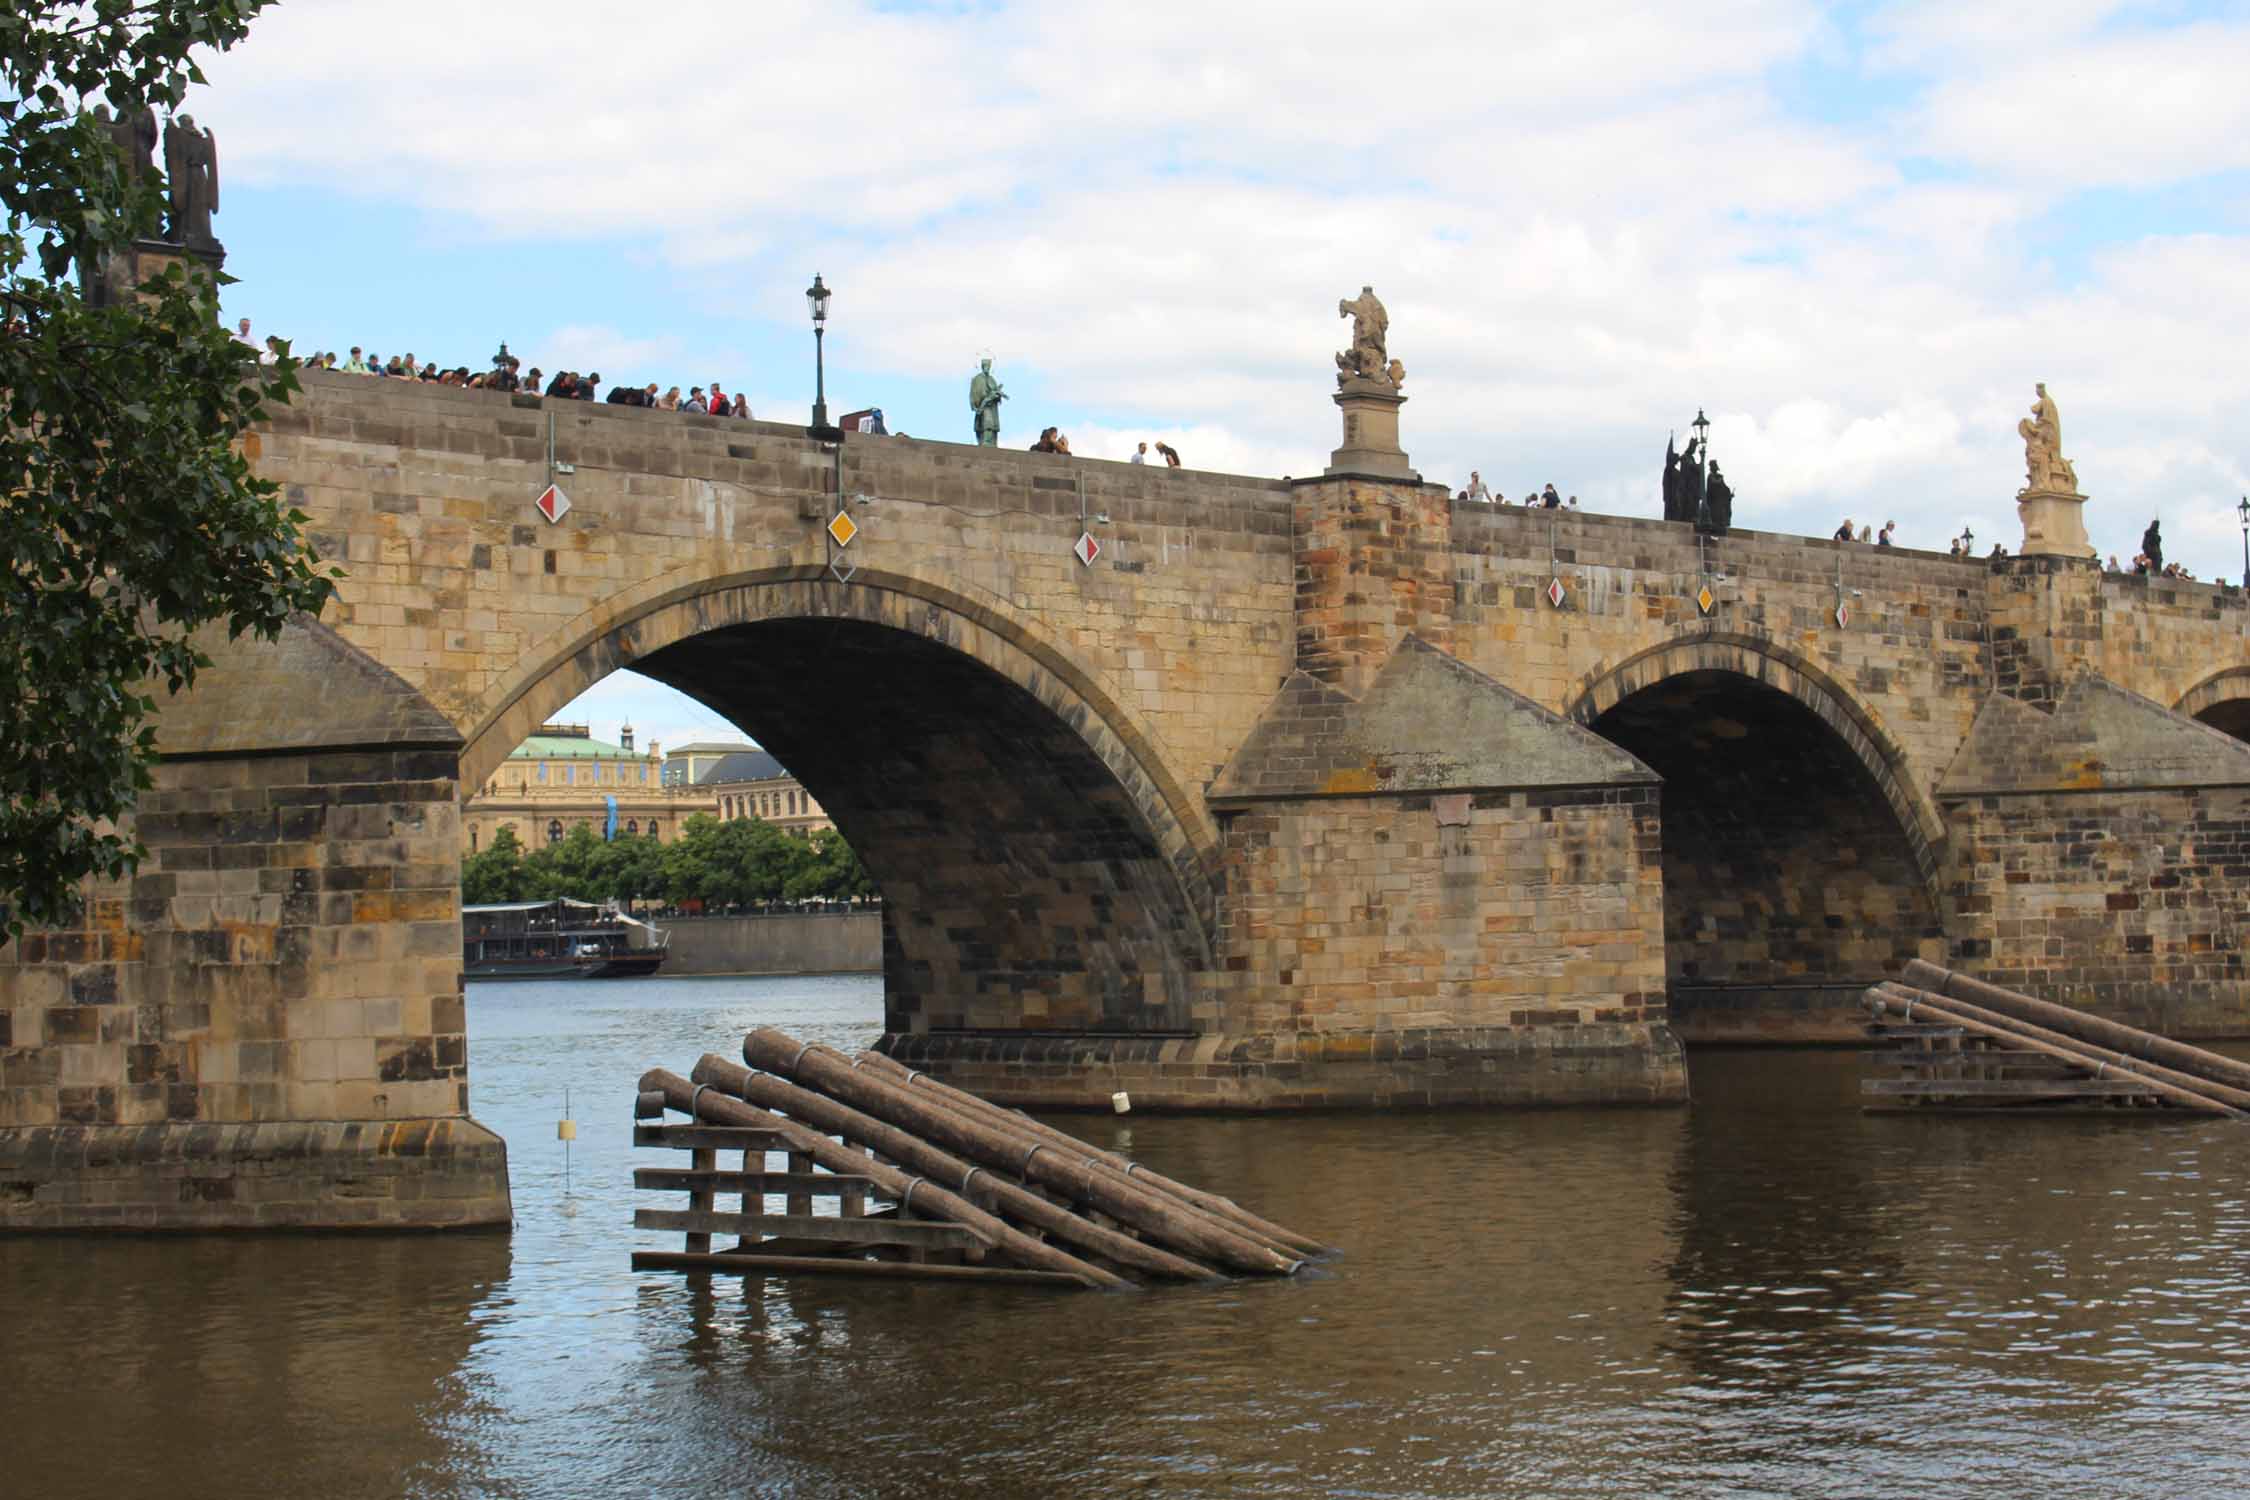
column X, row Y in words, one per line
column 1855, row 235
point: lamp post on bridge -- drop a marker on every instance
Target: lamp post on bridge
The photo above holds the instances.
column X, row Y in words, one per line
column 816, row 299
column 2243, row 510
column 1701, row 426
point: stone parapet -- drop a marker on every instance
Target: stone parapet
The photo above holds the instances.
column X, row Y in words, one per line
column 1407, row 1067
column 278, row 1174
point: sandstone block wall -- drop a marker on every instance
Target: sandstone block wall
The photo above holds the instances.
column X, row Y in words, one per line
column 2129, row 903
column 290, row 950
column 425, row 494
column 1508, row 909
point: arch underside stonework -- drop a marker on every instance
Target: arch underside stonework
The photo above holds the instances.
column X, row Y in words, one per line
column 1042, row 869
column 1764, row 662
column 2221, row 700
column 1792, row 875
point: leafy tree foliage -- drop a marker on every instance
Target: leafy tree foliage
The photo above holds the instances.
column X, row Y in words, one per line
column 496, row 872
column 129, row 517
column 742, row 862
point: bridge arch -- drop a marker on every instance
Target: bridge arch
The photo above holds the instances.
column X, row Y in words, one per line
column 2221, row 700
column 1797, row 856
column 1775, row 666
column 1042, row 866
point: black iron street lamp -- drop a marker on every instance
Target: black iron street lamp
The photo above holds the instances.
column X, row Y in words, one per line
column 2243, row 510
column 816, row 298
column 1701, row 426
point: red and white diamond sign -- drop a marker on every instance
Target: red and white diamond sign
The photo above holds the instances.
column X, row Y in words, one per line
column 1555, row 594
column 1086, row 548
column 1843, row 616
column 553, row 503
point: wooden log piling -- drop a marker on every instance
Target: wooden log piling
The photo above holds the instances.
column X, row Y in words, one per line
column 1282, row 1241
column 975, row 1192
column 1169, row 1222
column 711, row 1104
column 2115, row 1035
column 1953, row 1050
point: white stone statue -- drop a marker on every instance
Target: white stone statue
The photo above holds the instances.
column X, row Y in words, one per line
column 2046, row 470
column 1367, row 358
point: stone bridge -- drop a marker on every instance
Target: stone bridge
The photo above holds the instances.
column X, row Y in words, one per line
column 1312, row 791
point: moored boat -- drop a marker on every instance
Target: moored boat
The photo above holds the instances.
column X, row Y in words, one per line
column 558, row 939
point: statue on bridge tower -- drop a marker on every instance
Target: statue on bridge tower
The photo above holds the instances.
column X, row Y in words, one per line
column 1368, row 358
column 1367, row 382
column 2046, row 470
column 2049, row 504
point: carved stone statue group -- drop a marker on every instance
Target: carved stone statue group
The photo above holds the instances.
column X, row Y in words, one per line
column 1695, row 490
column 191, row 170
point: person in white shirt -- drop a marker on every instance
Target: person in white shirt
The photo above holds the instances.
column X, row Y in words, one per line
column 1477, row 491
column 242, row 334
column 1140, row 454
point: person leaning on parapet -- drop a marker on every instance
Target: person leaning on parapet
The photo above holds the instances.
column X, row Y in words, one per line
column 1046, row 443
column 1140, row 455
column 355, row 365
column 1548, row 497
column 1476, row 490
column 1883, row 537
column 1844, row 533
column 1169, row 454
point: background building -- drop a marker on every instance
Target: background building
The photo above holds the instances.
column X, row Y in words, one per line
column 562, row 777
column 752, row 784
column 689, row 764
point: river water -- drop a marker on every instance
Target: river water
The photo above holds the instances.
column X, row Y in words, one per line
column 1766, row 1294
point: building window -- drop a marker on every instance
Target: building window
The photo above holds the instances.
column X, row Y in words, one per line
column 554, row 830
column 652, row 828
column 472, row 838
column 632, row 825
column 542, row 770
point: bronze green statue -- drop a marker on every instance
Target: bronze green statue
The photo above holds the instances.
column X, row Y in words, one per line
column 985, row 397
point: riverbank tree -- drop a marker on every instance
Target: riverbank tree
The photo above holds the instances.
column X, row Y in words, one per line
column 129, row 517
column 712, row 863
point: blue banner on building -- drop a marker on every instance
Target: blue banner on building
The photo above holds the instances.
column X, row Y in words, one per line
column 610, row 831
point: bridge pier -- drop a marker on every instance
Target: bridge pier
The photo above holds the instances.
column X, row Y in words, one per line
column 264, row 1027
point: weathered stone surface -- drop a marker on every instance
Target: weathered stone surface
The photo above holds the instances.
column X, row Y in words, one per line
column 2097, row 737
column 287, row 1174
column 1315, row 741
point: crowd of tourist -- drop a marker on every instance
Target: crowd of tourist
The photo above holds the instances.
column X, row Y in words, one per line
column 507, row 374
column 1545, row 497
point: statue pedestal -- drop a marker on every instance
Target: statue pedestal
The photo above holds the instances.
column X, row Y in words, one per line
column 2054, row 524
column 1371, row 447
column 145, row 260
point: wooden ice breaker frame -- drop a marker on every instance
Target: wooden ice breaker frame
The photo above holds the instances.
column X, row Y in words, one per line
column 1950, row 1042
column 927, row 1181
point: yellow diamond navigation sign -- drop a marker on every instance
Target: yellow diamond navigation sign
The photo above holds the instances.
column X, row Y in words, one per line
column 842, row 528
column 1705, row 599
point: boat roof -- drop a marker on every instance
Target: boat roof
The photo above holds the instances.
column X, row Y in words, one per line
column 528, row 905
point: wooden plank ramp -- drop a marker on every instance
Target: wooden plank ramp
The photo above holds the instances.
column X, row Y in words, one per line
column 843, row 1165
column 1942, row 1041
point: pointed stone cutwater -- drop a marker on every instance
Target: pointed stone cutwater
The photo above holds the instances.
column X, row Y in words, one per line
column 2098, row 738
column 1428, row 724
column 1442, row 884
